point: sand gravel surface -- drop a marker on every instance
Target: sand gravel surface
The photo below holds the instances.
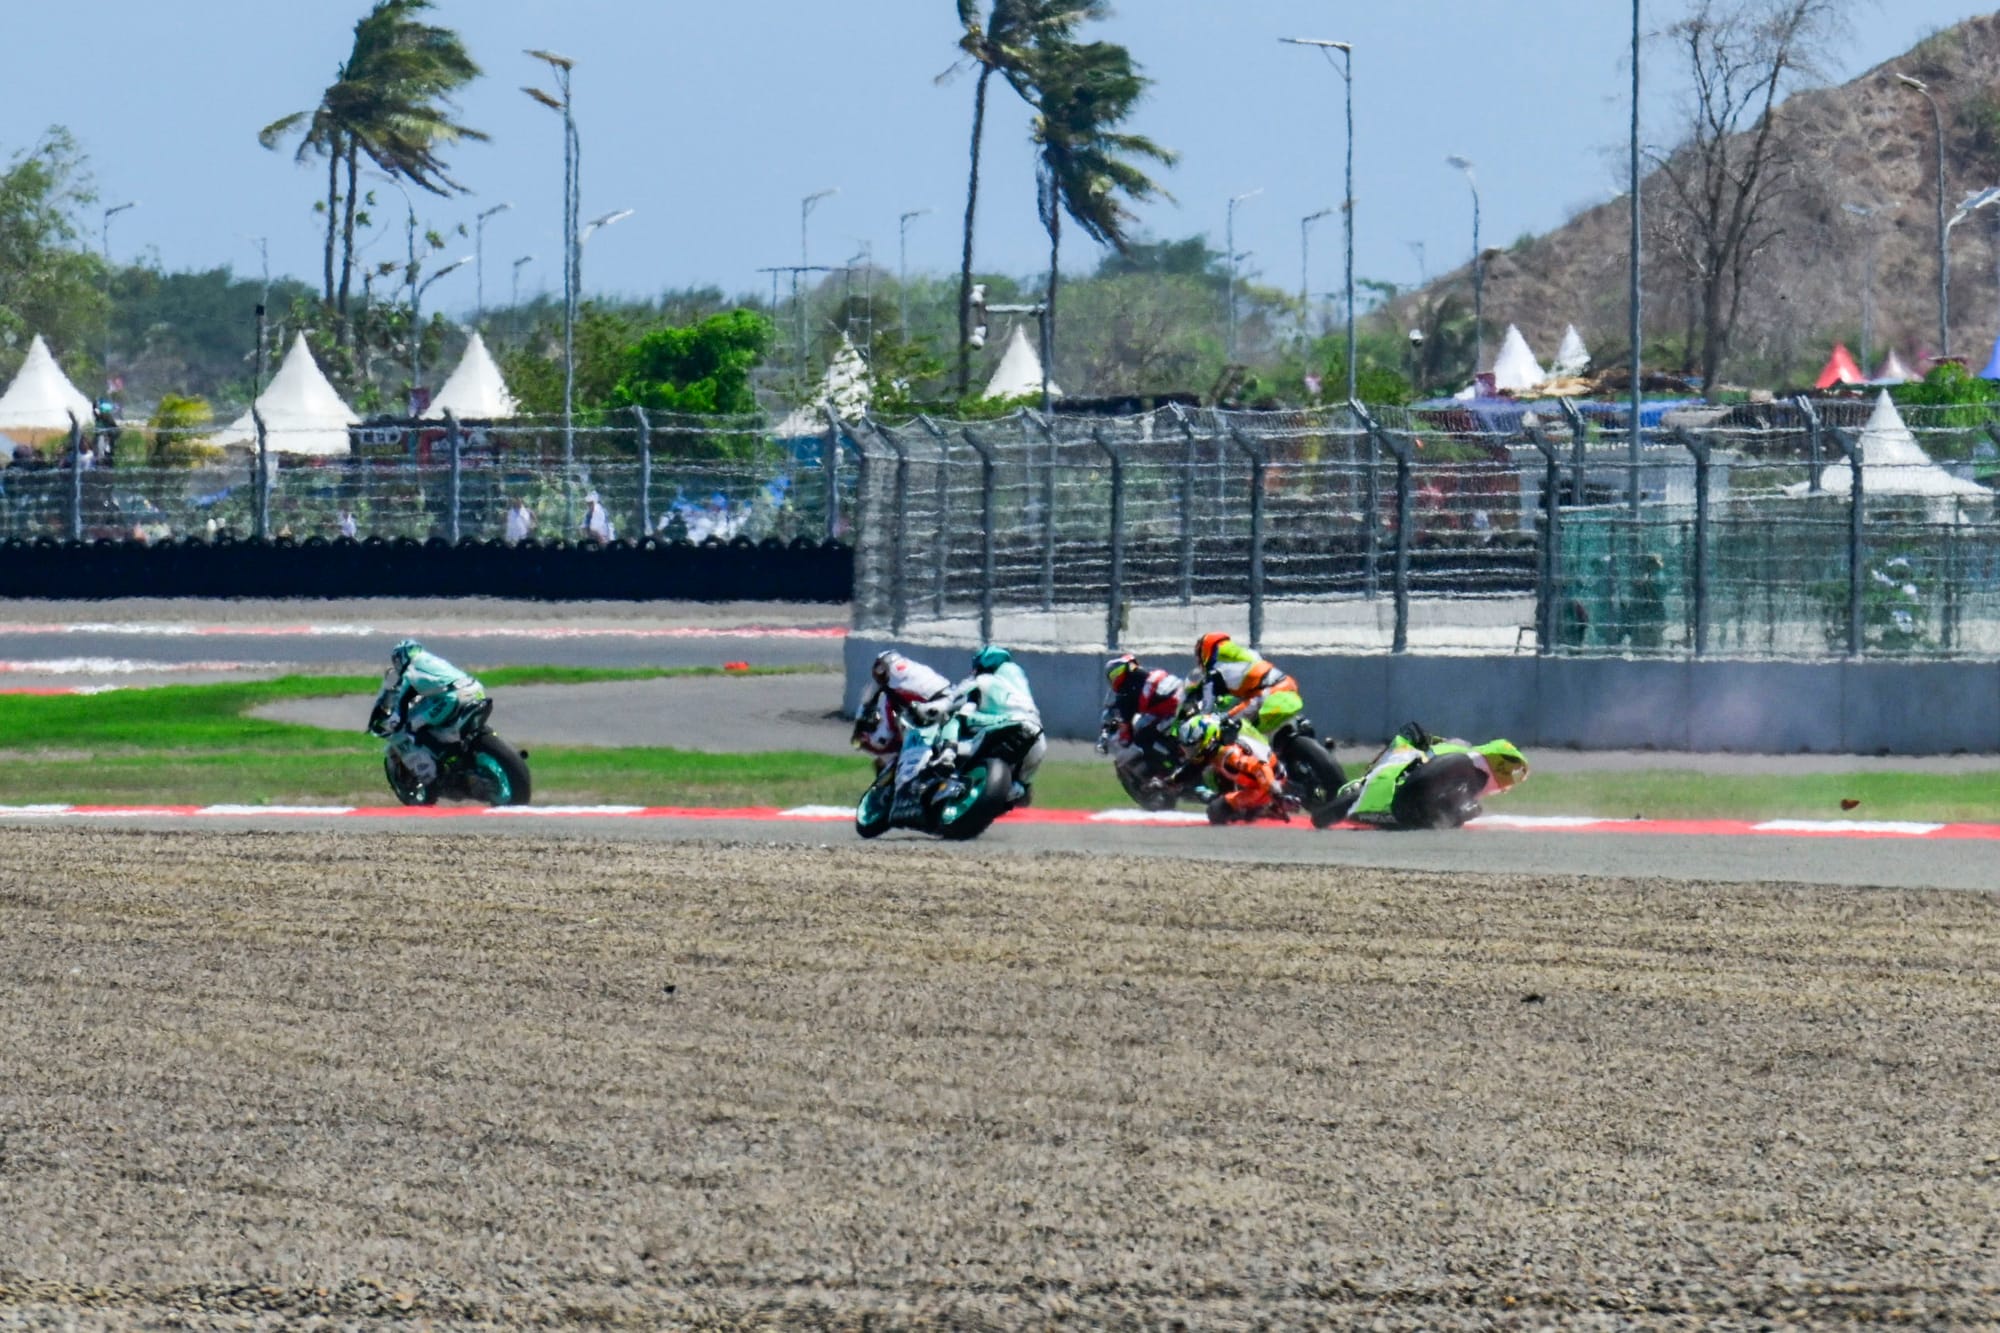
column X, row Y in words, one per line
column 306, row 1079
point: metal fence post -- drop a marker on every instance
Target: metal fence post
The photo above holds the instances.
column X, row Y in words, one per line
column 1113, row 611
column 1701, row 451
column 941, row 548
column 985, row 453
column 1578, row 433
column 899, row 536
column 262, row 480
column 454, row 441
column 1547, row 568
column 75, row 478
column 1814, row 452
column 645, row 471
column 1404, row 456
column 1857, row 518
column 1257, row 465
column 829, row 462
column 1187, row 506
column 1370, row 580
column 1048, row 513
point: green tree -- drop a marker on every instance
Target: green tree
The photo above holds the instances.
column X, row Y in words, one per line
column 700, row 368
column 1086, row 165
column 48, row 285
column 1005, row 42
column 392, row 103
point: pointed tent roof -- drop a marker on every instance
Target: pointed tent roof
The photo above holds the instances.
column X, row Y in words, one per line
column 845, row 385
column 1894, row 462
column 1893, row 371
column 1572, row 358
column 1516, row 369
column 475, row 390
column 41, row 396
column 301, row 411
column 1840, row 369
column 1019, row 371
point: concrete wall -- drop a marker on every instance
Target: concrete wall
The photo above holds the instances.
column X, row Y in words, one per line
column 1584, row 703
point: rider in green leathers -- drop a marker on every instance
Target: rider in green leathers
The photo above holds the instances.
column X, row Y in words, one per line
column 419, row 690
column 994, row 694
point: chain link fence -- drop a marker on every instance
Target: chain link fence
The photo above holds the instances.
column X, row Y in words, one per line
column 694, row 479
column 1792, row 529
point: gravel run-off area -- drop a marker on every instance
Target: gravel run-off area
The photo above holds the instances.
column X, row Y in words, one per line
column 314, row 1079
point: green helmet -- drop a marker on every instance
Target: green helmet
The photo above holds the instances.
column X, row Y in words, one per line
column 990, row 658
column 403, row 652
column 1201, row 734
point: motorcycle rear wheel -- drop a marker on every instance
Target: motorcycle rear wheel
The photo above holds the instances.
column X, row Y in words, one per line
column 1442, row 794
column 987, row 784
column 499, row 775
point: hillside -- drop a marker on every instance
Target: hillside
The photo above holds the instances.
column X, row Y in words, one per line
column 1870, row 141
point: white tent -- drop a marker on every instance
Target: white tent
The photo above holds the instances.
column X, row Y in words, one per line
column 41, row 396
column 1516, row 369
column 1019, row 371
column 302, row 413
column 1572, row 358
column 475, row 391
column 1893, row 371
column 845, row 385
column 1892, row 463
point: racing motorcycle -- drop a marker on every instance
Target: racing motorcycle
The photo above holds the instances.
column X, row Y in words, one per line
column 951, row 787
column 467, row 761
column 1155, row 772
column 1421, row 782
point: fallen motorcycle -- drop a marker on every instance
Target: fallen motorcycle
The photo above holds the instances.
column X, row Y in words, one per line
column 950, row 789
column 464, row 760
column 1419, row 782
column 1154, row 772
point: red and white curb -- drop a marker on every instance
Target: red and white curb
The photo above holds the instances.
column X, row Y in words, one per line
column 171, row 630
column 1559, row 824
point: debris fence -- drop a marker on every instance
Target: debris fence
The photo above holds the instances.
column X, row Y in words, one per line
column 1764, row 531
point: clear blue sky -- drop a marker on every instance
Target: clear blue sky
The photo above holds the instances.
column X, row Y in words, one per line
column 713, row 121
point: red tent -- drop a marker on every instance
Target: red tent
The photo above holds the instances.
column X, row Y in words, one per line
column 1840, row 369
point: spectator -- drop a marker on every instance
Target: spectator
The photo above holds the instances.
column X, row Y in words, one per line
column 596, row 519
column 348, row 527
column 520, row 521
column 1646, row 607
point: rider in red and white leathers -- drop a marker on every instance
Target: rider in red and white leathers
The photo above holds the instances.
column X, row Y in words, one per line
column 902, row 684
column 1142, row 706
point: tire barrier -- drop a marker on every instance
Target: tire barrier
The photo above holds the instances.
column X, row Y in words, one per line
column 804, row 570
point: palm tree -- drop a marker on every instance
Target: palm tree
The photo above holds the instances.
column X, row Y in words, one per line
column 1084, row 164
column 1004, row 44
column 390, row 101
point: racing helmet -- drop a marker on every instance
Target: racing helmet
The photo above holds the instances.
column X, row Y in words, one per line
column 1507, row 764
column 1207, row 647
column 1119, row 668
column 990, row 658
column 884, row 662
column 401, row 654
column 1200, row 735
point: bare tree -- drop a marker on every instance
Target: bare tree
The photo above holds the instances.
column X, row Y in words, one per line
column 1740, row 157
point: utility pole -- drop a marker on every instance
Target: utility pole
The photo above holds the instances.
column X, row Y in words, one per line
column 479, row 262
column 1229, row 233
column 903, row 268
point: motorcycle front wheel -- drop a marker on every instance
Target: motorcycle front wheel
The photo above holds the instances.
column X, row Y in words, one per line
column 499, row 776
column 1442, row 794
column 408, row 790
column 1316, row 774
column 1149, row 793
column 871, row 814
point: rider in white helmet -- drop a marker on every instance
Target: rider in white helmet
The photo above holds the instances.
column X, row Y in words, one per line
column 902, row 687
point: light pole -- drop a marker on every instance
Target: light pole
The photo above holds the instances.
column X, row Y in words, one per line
column 562, row 67
column 417, row 404
column 1971, row 204
column 1305, row 268
column 1478, row 269
column 1943, row 260
column 1346, row 68
column 903, row 268
column 1632, row 296
column 479, row 262
column 800, row 298
column 515, row 301
column 264, row 254
column 1866, row 212
column 109, row 214
column 1230, row 241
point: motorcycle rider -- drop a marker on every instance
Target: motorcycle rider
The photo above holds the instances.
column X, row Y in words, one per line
column 995, row 694
column 1264, row 696
column 902, row 686
column 1141, row 707
column 1244, row 769
column 420, row 690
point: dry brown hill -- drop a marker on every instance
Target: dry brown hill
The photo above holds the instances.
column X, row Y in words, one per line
column 1871, row 142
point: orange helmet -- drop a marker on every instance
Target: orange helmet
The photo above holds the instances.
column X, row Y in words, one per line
column 1206, row 649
